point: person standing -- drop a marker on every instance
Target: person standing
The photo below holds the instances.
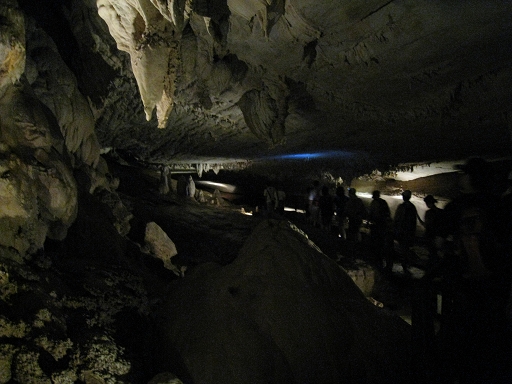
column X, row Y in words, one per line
column 433, row 225
column 326, row 205
column 475, row 334
column 270, row 195
column 504, row 221
column 281, row 197
column 379, row 216
column 314, row 201
column 355, row 211
column 340, row 200
column 404, row 226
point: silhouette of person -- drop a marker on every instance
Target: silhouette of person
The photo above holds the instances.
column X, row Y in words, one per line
column 434, row 229
column 379, row 216
column 281, row 197
column 340, row 200
column 404, row 227
column 355, row 211
column 326, row 205
column 504, row 224
column 270, row 195
column 472, row 219
column 313, row 207
column 504, row 220
column 474, row 335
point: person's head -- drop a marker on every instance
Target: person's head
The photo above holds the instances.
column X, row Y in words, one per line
column 477, row 175
column 430, row 200
column 352, row 192
column 375, row 194
column 340, row 191
column 406, row 195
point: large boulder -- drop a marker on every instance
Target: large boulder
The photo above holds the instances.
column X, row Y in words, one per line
column 160, row 245
column 282, row 312
column 38, row 193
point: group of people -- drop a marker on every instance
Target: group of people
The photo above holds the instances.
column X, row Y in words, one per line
column 469, row 245
column 385, row 230
column 321, row 206
column 348, row 213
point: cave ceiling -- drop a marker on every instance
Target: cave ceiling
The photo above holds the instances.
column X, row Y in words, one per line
column 390, row 81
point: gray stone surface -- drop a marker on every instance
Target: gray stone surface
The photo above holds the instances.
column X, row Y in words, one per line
column 282, row 312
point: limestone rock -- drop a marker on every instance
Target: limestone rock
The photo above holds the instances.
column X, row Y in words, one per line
column 364, row 277
column 12, row 44
column 37, row 187
column 56, row 86
column 152, row 42
column 345, row 86
column 233, row 78
column 165, row 378
column 282, row 312
column 53, row 333
column 161, row 246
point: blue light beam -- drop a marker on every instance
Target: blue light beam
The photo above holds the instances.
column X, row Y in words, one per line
column 314, row 155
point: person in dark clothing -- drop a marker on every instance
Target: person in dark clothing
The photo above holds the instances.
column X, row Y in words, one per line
column 474, row 337
column 471, row 219
column 404, row 227
column 504, row 220
column 313, row 203
column 434, row 229
column 340, row 200
column 355, row 211
column 270, row 195
column 504, row 224
column 379, row 216
column 326, row 205
column 281, row 197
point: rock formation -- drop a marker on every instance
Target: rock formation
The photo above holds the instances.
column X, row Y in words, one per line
column 230, row 83
column 281, row 77
column 282, row 312
column 161, row 246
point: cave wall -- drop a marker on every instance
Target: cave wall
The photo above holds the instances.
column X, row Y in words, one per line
column 165, row 81
column 253, row 79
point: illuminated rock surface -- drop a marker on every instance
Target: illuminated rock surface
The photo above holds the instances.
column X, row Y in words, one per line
column 245, row 79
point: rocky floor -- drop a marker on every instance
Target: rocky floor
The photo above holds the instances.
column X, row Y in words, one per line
column 97, row 290
column 210, row 232
column 215, row 233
